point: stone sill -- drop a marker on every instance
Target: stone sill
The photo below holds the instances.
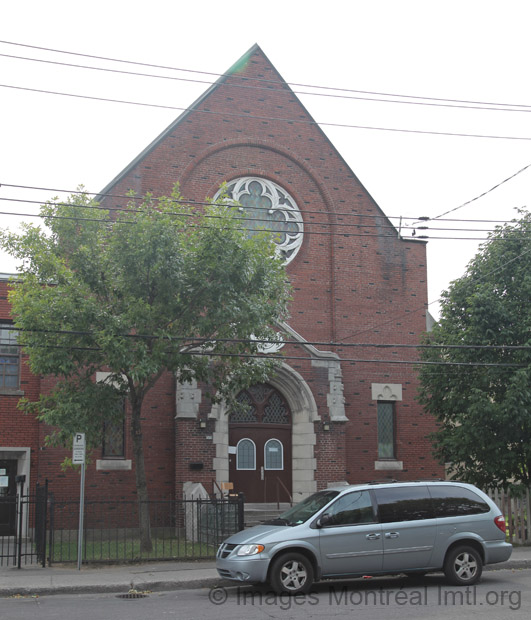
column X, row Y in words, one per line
column 113, row 465
column 391, row 465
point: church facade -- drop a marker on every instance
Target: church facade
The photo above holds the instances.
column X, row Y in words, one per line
column 342, row 406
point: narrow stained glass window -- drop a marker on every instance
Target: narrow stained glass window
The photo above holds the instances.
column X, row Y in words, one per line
column 386, row 430
column 114, row 436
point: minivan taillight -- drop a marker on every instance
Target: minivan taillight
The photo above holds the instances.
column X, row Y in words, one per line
column 500, row 522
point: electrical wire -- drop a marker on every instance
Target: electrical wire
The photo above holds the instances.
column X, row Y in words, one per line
column 480, row 195
column 262, row 80
column 196, row 341
column 258, row 221
column 300, row 358
column 264, row 118
column 133, row 198
column 311, row 223
column 277, row 230
column 226, row 84
column 403, row 226
column 253, row 219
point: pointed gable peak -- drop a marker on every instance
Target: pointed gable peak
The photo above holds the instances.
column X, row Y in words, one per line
column 242, row 67
column 240, row 64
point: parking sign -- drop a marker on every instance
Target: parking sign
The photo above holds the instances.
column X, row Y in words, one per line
column 78, row 452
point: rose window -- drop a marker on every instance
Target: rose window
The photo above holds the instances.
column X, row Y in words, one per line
column 264, row 205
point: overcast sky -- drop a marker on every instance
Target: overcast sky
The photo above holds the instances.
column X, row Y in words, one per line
column 443, row 53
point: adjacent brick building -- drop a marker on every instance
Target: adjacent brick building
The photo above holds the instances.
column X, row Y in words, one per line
column 334, row 411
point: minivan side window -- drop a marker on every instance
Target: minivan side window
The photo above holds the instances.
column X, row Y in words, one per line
column 404, row 504
column 351, row 509
column 450, row 501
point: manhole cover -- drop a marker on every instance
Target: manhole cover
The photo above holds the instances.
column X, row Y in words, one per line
column 131, row 595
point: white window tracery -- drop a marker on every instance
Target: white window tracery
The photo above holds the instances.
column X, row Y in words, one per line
column 266, row 205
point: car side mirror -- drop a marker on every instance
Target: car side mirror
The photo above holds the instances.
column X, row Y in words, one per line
column 324, row 520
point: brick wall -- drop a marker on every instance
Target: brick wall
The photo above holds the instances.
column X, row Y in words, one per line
column 351, row 284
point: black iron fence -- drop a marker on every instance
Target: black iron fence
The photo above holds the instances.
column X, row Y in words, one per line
column 48, row 530
column 25, row 540
column 180, row 529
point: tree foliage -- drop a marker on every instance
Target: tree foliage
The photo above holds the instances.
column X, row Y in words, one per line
column 484, row 412
column 158, row 286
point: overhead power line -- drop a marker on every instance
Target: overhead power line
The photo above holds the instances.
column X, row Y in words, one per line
column 480, row 195
column 196, row 341
column 264, row 80
column 135, row 198
column 264, row 118
column 262, row 225
column 302, row 358
column 336, row 224
column 232, row 84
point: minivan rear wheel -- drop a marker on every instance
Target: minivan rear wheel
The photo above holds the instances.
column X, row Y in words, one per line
column 463, row 566
column 292, row 573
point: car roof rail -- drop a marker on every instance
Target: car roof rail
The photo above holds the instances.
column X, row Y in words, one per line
column 383, row 481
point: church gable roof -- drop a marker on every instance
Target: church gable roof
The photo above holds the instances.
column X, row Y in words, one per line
column 233, row 70
column 252, row 102
column 253, row 80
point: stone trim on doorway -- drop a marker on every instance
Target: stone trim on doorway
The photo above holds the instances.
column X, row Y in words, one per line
column 304, row 413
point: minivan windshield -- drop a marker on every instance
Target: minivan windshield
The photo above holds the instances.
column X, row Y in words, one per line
column 304, row 510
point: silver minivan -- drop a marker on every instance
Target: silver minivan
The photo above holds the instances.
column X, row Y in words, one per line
column 371, row 529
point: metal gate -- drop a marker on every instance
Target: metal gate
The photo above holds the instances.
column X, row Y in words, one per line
column 27, row 542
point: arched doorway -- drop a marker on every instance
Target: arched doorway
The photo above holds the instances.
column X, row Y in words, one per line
column 260, row 445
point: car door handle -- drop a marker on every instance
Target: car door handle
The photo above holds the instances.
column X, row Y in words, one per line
column 372, row 536
column 392, row 534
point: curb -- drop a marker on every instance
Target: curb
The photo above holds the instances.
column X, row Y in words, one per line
column 168, row 585
column 511, row 565
column 116, row 588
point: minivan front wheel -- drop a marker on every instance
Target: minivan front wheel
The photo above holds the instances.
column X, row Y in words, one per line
column 292, row 573
column 463, row 566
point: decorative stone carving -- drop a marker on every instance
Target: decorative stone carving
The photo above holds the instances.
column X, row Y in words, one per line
column 386, row 391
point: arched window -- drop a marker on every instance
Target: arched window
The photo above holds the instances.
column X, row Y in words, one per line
column 246, row 454
column 273, row 454
column 261, row 404
column 266, row 205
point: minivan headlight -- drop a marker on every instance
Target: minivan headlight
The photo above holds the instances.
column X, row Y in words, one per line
column 250, row 549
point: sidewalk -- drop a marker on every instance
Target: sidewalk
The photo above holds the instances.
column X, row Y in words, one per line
column 32, row 580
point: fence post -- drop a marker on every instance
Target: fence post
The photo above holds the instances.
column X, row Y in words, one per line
column 20, row 480
column 241, row 514
column 527, row 516
column 52, row 525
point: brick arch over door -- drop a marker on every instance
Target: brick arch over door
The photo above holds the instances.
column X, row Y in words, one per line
column 304, row 413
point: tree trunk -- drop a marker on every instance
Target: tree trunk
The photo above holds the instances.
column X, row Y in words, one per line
column 141, row 484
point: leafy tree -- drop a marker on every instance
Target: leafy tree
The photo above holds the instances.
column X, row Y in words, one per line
column 484, row 411
column 158, row 286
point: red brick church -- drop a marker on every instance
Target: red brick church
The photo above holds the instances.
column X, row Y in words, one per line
column 334, row 411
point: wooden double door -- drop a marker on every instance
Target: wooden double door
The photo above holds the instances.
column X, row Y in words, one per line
column 260, row 446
